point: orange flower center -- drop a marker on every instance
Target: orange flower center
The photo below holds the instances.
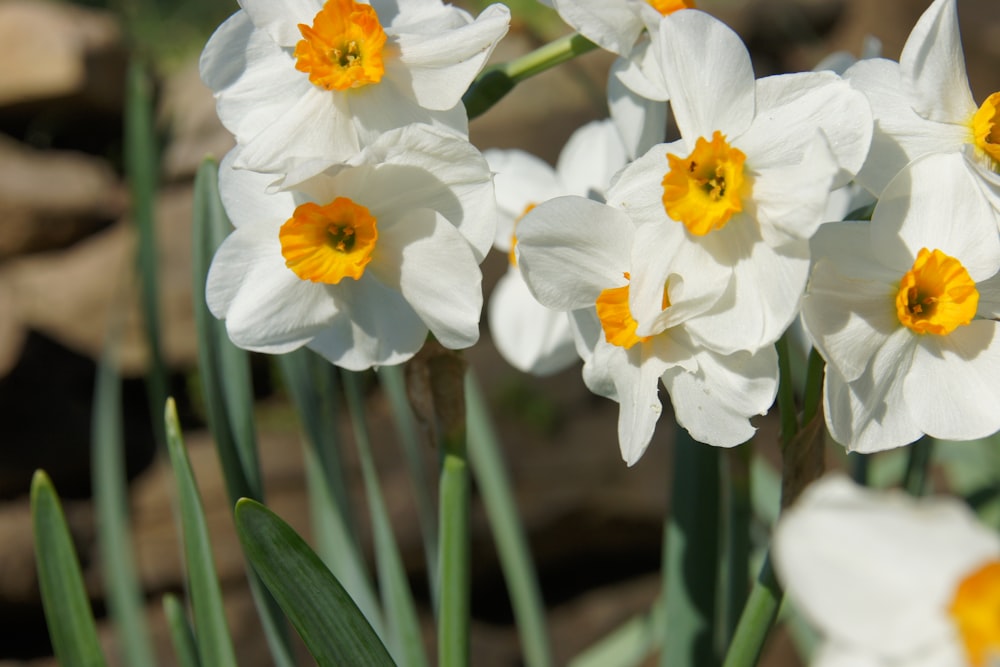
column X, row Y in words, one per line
column 512, row 253
column 343, row 47
column 670, row 6
column 976, row 611
column 616, row 317
column 704, row 189
column 937, row 295
column 325, row 244
column 986, row 129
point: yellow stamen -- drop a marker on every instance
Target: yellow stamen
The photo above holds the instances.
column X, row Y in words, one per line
column 343, row 47
column 325, row 244
column 986, row 128
column 512, row 253
column 937, row 295
column 976, row 611
column 616, row 317
column 670, row 6
column 705, row 189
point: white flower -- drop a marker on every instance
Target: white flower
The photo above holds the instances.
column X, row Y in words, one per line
column 749, row 180
column 903, row 311
column 615, row 25
column 531, row 337
column 891, row 581
column 923, row 104
column 302, row 80
column 588, row 258
column 360, row 261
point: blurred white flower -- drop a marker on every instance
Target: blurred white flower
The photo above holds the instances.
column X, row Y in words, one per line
column 584, row 257
column 360, row 261
column 891, row 581
column 299, row 80
column 748, row 182
column 531, row 337
column 923, row 104
column 904, row 312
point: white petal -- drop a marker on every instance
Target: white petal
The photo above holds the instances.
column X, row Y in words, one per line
column 521, row 180
column 281, row 18
column 531, row 337
column 317, row 126
column 933, row 66
column 593, row 154
column 789, row 202
column 641, row 121
column 953, row 387
column 638, row 384
column 433, row 266
column 663, row 258
column 418, row 166
column 849, row 307
column 715, row 403
column 935, row 203
column 375, row 327
column 638, row 188
column 900, row 134
column 266, row 306
column 442, row 64
column 876, row 571
column 870, row 414
column 769, row 283
column 245, row 194
column 790, row 110
column 708, row 75
column 571, row 249
column 611, row 24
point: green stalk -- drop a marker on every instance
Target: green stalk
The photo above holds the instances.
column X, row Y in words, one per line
column 738, row 513
column 453, row 617
column 492, row 84
column 756, row 621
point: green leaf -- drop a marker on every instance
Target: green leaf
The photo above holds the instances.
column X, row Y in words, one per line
column 691, row 555
column 225, row 369
column 311, row 382
column 122, row 587
column 180, row 632
column 215, row 647
column 67, row 609
column 227, row 388
column 142, row 170
column 331, row 625
column 512, row 546
column 405, row 637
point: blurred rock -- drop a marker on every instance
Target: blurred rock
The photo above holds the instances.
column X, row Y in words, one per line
column 187, row 109
column 52, row 50
column 73, row 294
column 51, row 199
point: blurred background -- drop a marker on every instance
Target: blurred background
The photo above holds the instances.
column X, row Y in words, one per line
column 68, row 271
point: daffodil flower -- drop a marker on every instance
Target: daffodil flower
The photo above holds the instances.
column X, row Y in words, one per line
column 748, row 181
column 923, row 104
column 590, row 259
column 891, row 580
column 362, row 260
column 904, row 312
column 310, row 80
column 531, row 337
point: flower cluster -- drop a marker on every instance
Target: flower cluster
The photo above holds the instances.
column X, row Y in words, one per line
column 362, row 212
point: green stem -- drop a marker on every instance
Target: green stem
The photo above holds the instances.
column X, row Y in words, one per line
column 813, row 393
column 918, row 466
column 453, row 619
column 758, row 616
column 492, row 84
column 738, row 516
column 786, row 394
